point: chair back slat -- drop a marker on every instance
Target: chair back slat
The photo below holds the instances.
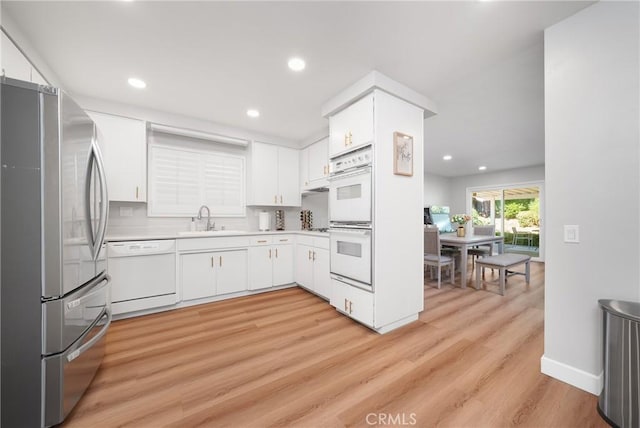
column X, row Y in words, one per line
column 432, row 241
column 489, row 230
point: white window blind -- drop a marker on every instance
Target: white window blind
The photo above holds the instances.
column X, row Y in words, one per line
column 182, row 179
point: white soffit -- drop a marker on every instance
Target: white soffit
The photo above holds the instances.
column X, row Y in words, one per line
column 377, row 80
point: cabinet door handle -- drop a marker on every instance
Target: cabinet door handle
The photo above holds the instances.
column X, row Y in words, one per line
column 309, row 254
column 136, row 192
column 276, row 253
column 314, row 256
column 211, row 261
column 262, row 241
column 275, row 199
column 220, row 261
column 269, row 253
column 348, row 139
column 350, row 311
column 280, row 198
column 346, row 308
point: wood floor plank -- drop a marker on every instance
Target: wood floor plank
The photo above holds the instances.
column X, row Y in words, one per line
column 287, row 358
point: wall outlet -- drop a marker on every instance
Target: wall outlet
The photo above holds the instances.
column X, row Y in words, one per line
column 126, row 212
column 571, row 233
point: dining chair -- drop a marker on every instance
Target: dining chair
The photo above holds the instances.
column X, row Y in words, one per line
column 432, row 256
column 522, row 235
column 481, row 250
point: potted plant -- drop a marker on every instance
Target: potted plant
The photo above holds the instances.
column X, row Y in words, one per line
column 461, row 219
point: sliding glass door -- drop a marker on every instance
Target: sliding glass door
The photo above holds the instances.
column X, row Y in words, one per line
column 516, row 211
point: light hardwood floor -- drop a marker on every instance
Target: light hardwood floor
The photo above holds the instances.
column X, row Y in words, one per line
column 287, row 358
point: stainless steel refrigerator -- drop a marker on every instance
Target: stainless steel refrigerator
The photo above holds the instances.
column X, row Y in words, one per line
column 55, row 300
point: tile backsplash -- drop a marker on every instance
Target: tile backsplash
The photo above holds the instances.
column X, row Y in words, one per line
column 130, row 218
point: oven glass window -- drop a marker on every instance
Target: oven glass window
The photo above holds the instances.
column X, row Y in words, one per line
column 349, row 192
column 350, row 249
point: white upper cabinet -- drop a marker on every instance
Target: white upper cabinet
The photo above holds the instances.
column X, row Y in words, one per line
column 304, row 167
column 16, row 66
column 123, row 142
column 274, row 176
column 352, row 127
column 288, row 177
column 319, row 161
column 314, row 165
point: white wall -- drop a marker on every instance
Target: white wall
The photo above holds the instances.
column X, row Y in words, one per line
column 140, row 224
column 459, row 185
column 437, row 190
column 592, row 161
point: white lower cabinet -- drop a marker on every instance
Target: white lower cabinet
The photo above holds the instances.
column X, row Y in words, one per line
column 312, row 265
column 321, row 275
column 282, row 264
column 231, row 275
column 213, row 273
column 352, row 301
column 304, row 266
column 270, row 261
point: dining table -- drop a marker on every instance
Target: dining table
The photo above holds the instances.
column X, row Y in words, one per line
column 468, row 241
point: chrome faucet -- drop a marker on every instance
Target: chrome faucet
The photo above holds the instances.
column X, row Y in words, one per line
column 210, row 226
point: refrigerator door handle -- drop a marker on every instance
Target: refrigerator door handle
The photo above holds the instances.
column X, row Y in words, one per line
column 91, row 237
column 104, row 200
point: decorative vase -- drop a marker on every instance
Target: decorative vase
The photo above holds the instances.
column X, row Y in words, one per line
column 461, row 231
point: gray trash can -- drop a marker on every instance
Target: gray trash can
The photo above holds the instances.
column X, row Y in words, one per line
column 619, row 402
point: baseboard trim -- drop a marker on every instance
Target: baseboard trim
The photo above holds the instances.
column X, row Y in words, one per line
column 571, row 375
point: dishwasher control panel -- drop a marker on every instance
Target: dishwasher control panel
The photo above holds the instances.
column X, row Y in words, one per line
column 136, row 248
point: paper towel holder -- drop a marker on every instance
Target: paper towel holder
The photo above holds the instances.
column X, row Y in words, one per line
column 264, row 221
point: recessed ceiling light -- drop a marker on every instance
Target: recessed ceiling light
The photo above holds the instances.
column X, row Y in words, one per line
column 137, row 83
column 447, row 157
column 296, row 64
column 482, row 168
column 253, row 113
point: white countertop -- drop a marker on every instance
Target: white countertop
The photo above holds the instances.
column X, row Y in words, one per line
column 147, row 236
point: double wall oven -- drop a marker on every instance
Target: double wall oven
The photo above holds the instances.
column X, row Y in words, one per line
column 350, row 216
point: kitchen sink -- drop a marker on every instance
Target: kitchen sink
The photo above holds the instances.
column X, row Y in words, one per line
column 211, row 233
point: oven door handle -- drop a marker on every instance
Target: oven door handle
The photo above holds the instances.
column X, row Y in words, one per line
column 349, row 174
column 351, row 231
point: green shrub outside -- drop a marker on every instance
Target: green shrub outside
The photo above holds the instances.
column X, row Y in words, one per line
column 528, row 218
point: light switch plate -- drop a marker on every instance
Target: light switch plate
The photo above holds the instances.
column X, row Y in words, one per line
column 571, row 233
column 126, row 212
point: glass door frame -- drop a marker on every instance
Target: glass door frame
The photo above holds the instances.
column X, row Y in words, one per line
column 502, row 188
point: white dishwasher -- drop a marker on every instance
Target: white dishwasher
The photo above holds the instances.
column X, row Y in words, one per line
column 143, row 274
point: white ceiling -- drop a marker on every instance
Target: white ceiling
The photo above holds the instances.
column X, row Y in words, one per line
column 214, row 60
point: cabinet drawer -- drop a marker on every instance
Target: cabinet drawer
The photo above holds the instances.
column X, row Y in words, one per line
column 198, row 244
column 321, row 242
column 283, row 239
column 305, row 240
column 351, row 301
column 261, row 240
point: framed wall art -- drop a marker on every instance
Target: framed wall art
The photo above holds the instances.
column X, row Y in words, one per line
column 402, row 154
